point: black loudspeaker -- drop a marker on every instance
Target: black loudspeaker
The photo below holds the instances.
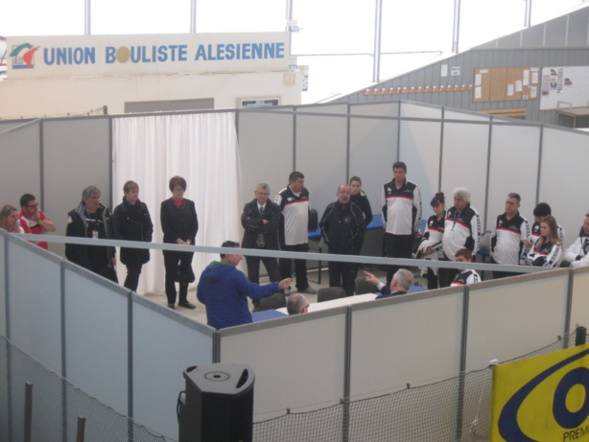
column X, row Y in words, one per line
column 218, row 404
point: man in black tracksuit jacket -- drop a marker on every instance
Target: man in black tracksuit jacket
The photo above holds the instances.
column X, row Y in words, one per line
column 342, row 227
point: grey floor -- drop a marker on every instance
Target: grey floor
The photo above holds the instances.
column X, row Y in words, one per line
column 199, row 314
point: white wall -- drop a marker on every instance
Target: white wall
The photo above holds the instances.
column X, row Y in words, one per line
column 61, row 96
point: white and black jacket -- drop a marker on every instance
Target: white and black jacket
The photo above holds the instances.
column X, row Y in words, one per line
column 461, row 230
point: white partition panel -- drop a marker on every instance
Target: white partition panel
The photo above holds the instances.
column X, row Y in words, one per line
column 580, row 303
column 165, row 343
column 297, row 364
column 565, row 155
column 464, row 157
column 510, row 317
column 266, row 150
column 411, row 339
column 35, row 302
column 3, row 330
column 96, row 336
column 514, row 168
column 419, row 148
column 373, row 148
column 321, row 152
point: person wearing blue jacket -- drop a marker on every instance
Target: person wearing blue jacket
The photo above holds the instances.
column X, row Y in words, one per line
column 224, row 290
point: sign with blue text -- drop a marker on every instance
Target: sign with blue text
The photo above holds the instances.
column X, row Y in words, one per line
column 103, row 55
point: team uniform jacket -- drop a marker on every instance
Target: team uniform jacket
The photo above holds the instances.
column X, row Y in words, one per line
column 507, row 240
column 33, row 227
column 465, row 277
column 461, row 230
column 401, row 208
column 536, row 233
column 547, row 255
column 433, row 235
column 295, row 216
column 342, row 227
column 578, row 253
column 361, row 200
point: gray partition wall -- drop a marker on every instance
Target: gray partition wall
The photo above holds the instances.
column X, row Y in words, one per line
column 117, row 346
column 20, row 168
column 76, row 153
column 374, row 143
column 321, row 151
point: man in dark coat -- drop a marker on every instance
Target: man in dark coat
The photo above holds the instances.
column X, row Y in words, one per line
column 91, row 220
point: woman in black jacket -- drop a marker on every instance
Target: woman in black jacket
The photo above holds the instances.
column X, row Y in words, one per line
column 179, row 224
column 359, row 198
column 131, row 222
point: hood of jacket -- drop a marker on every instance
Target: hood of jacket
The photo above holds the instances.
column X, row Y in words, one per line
column 216, row 271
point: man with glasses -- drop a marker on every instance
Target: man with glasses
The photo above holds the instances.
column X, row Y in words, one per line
column 34, row 219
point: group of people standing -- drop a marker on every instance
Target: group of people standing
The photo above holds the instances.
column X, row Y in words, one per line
column 450, row 235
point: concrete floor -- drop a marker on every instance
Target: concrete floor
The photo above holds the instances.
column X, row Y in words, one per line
column 199, row 313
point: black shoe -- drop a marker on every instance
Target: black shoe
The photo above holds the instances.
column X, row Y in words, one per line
column 187, row 304
column 171, row 306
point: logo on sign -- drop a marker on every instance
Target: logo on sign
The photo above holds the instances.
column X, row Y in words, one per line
column 23, row 56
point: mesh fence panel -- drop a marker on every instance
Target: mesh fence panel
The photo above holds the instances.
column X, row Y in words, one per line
column 425, row 413
column 56, row 406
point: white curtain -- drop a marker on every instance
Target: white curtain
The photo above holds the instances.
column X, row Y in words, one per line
column 203, row 149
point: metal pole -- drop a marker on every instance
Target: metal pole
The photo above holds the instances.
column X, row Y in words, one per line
column 28, row 412
column 456, row 27
column 88, row 17
column 193, row 16
column 528, row 14
column 377, row 40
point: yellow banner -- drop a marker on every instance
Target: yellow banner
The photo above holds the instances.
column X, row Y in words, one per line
column 544, row 398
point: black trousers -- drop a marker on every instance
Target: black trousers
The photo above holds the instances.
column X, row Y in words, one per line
column 397, row 246
column 446, row 275
column 106, row 271
column 300, row 266
column 253, row 271
column 173, row 261
column 432, row 279
column 342, row 274
column 132, row 279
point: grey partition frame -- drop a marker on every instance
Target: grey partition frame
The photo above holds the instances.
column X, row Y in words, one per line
column 121, row 348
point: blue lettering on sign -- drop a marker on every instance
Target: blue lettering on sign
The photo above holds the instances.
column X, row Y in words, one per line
column 110, row 55
column 245, row 51
column 68, row 56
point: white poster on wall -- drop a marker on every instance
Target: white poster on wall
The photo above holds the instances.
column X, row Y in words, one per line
column 564, row 87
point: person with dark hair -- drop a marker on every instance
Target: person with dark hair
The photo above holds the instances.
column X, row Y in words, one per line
column 431, row 244
column 401, row 210
column 509, row 236
column 541, row 211
column 32, row 218
column 577, row 255
column 92, row 220
column 180, row 225
column 358, row 197
column 293, row 201
column 342, row 227
column 462, row 229
column 132, row 222
column 547, row 251
column 465, row 276
column 224, row 290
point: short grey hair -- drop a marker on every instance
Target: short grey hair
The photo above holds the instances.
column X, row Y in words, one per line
column 515, row 196
column 463, row 192
column 404, row 278
column 90, row 190
column 263, row 186
column 296, row 303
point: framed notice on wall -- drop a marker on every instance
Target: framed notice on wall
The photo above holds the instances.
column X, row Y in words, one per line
column 564, row 87
column 505, row 84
